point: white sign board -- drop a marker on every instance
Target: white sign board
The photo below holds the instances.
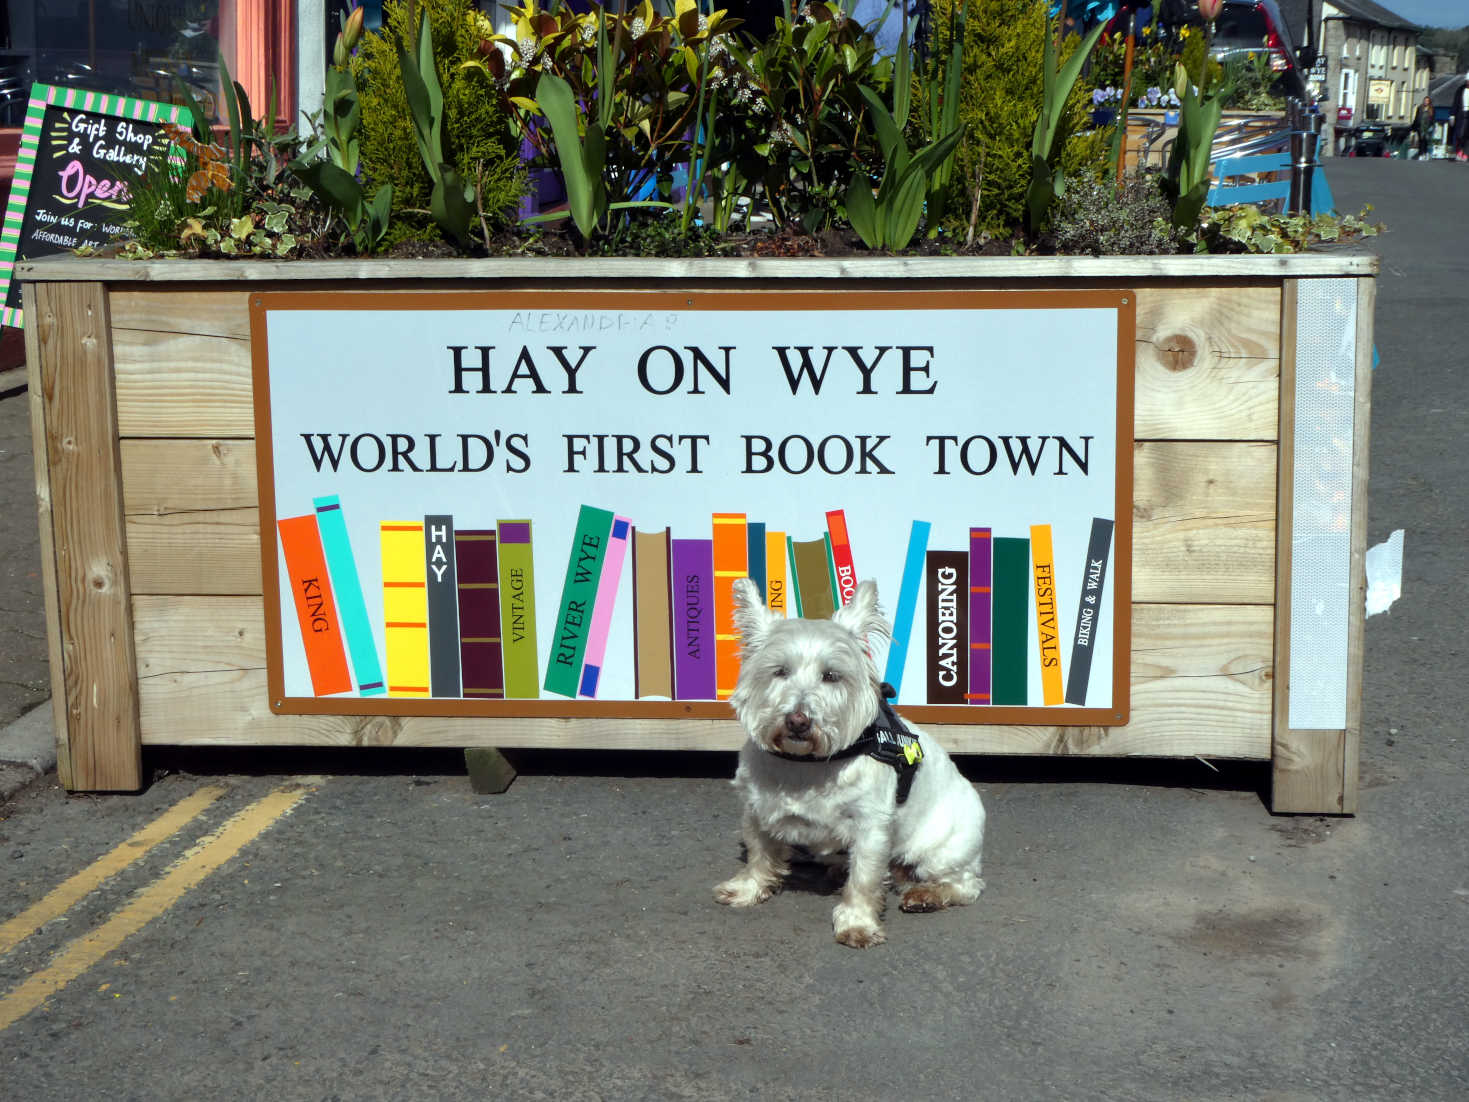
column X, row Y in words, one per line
column 536, row 504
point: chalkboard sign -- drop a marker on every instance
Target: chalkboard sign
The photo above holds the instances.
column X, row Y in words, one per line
column 80, row 155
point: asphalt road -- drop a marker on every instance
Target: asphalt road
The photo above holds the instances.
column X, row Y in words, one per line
column 1150, row 932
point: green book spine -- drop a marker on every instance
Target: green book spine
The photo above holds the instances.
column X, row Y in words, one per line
column 1009, row 608
column 518, row 610
column 578, row 595
column 795, row 587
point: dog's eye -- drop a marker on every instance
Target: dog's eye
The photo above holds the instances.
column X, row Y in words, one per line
column 779, row 671
column 831, row 677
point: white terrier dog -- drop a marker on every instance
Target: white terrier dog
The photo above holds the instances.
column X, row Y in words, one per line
column 830, row 768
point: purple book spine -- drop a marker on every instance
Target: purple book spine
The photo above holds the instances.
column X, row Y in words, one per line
column 981, row 581
column 693, row 619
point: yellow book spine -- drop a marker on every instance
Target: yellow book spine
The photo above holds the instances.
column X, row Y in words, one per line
column 1048, row 632
column 776, row 584
column 405, row 607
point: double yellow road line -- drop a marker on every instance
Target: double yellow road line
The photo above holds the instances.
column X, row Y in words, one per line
column 201, row 859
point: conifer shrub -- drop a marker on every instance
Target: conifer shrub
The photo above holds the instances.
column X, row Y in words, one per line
column 999, row 104
column 476, row 133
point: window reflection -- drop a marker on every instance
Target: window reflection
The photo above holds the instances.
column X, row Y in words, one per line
column 141, row 48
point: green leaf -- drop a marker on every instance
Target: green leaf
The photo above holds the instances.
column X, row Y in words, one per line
column 336, row 187
column 905, row 210
column 889, row 134
column 559, row 104
column 862, row 211
column 452, row 205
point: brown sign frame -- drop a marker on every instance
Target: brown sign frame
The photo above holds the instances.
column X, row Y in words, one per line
column 1120, row 570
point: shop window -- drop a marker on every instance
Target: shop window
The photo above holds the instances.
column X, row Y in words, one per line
column 156, row 49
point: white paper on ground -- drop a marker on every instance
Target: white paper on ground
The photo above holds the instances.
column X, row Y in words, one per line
column 1385, row 573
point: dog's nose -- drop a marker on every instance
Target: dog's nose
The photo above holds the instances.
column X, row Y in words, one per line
column 798, row 723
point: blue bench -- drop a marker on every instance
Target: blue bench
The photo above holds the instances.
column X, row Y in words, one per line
column 1225, row 193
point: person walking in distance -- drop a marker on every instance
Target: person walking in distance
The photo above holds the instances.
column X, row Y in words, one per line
column 1459, row 124
column 1423, row 127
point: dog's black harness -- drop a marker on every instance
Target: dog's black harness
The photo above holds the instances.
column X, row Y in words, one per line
column 886, row 739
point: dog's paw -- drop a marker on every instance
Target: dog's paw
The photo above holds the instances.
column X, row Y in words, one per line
column 857, row 925
column 742, row 891
column 922, row 899
column 861, row 936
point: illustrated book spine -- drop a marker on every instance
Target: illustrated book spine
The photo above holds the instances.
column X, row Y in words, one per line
column 844, row 570
column 405, row 607
column 755, row 544
column 813, row 579
column 693, row 611
column 443, row 606
column 578, row 598
column 1089, row 612
column 948, row 613
column 907, row 607
column 981, row 581
column 1011, row 601
column 316, row 611
column 652, row 615
column 731, row 562
column 607, row 587
column 351, row 603
column 518, row 610
column 777, row 583
column 1047, row 629
column 481, row 651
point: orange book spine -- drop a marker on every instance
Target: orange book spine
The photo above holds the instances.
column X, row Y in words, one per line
column 311, row 589
column 731, row 561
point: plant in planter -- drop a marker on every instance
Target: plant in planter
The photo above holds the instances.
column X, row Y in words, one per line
column 230, row 199
column 1198, row 84
column 910, row 181
column 792, row 126
column 475, row 137
column 1004, row 49
column 612, row 101
column 330, row 166
column 640, row 111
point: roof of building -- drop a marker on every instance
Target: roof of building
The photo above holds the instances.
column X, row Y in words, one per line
column 1441, row 89
column 1366, row 11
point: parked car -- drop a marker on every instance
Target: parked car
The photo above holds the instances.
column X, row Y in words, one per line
column 1248, row 26
column 1369, row 140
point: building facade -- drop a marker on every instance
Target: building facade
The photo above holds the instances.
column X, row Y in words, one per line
column 1370, row 69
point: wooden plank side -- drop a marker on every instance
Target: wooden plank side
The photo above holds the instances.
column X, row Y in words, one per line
column 179, row 384
column 1200, row 685
column 548, row 271
column 1208, row 363
column 212, row 313
column 94, row 622
column 205, row 551
column 1357, row 610
column 40, row 392
column 1204, row 522
column 178, row 476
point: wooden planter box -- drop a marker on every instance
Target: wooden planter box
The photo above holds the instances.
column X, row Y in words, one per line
column 141, row 389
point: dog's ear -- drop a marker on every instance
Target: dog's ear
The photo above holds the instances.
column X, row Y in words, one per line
column 751, row 618
column 861, row 615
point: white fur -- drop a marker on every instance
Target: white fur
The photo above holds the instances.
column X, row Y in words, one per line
column 808, row 687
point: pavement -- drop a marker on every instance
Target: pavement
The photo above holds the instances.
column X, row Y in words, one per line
column 361, row 924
